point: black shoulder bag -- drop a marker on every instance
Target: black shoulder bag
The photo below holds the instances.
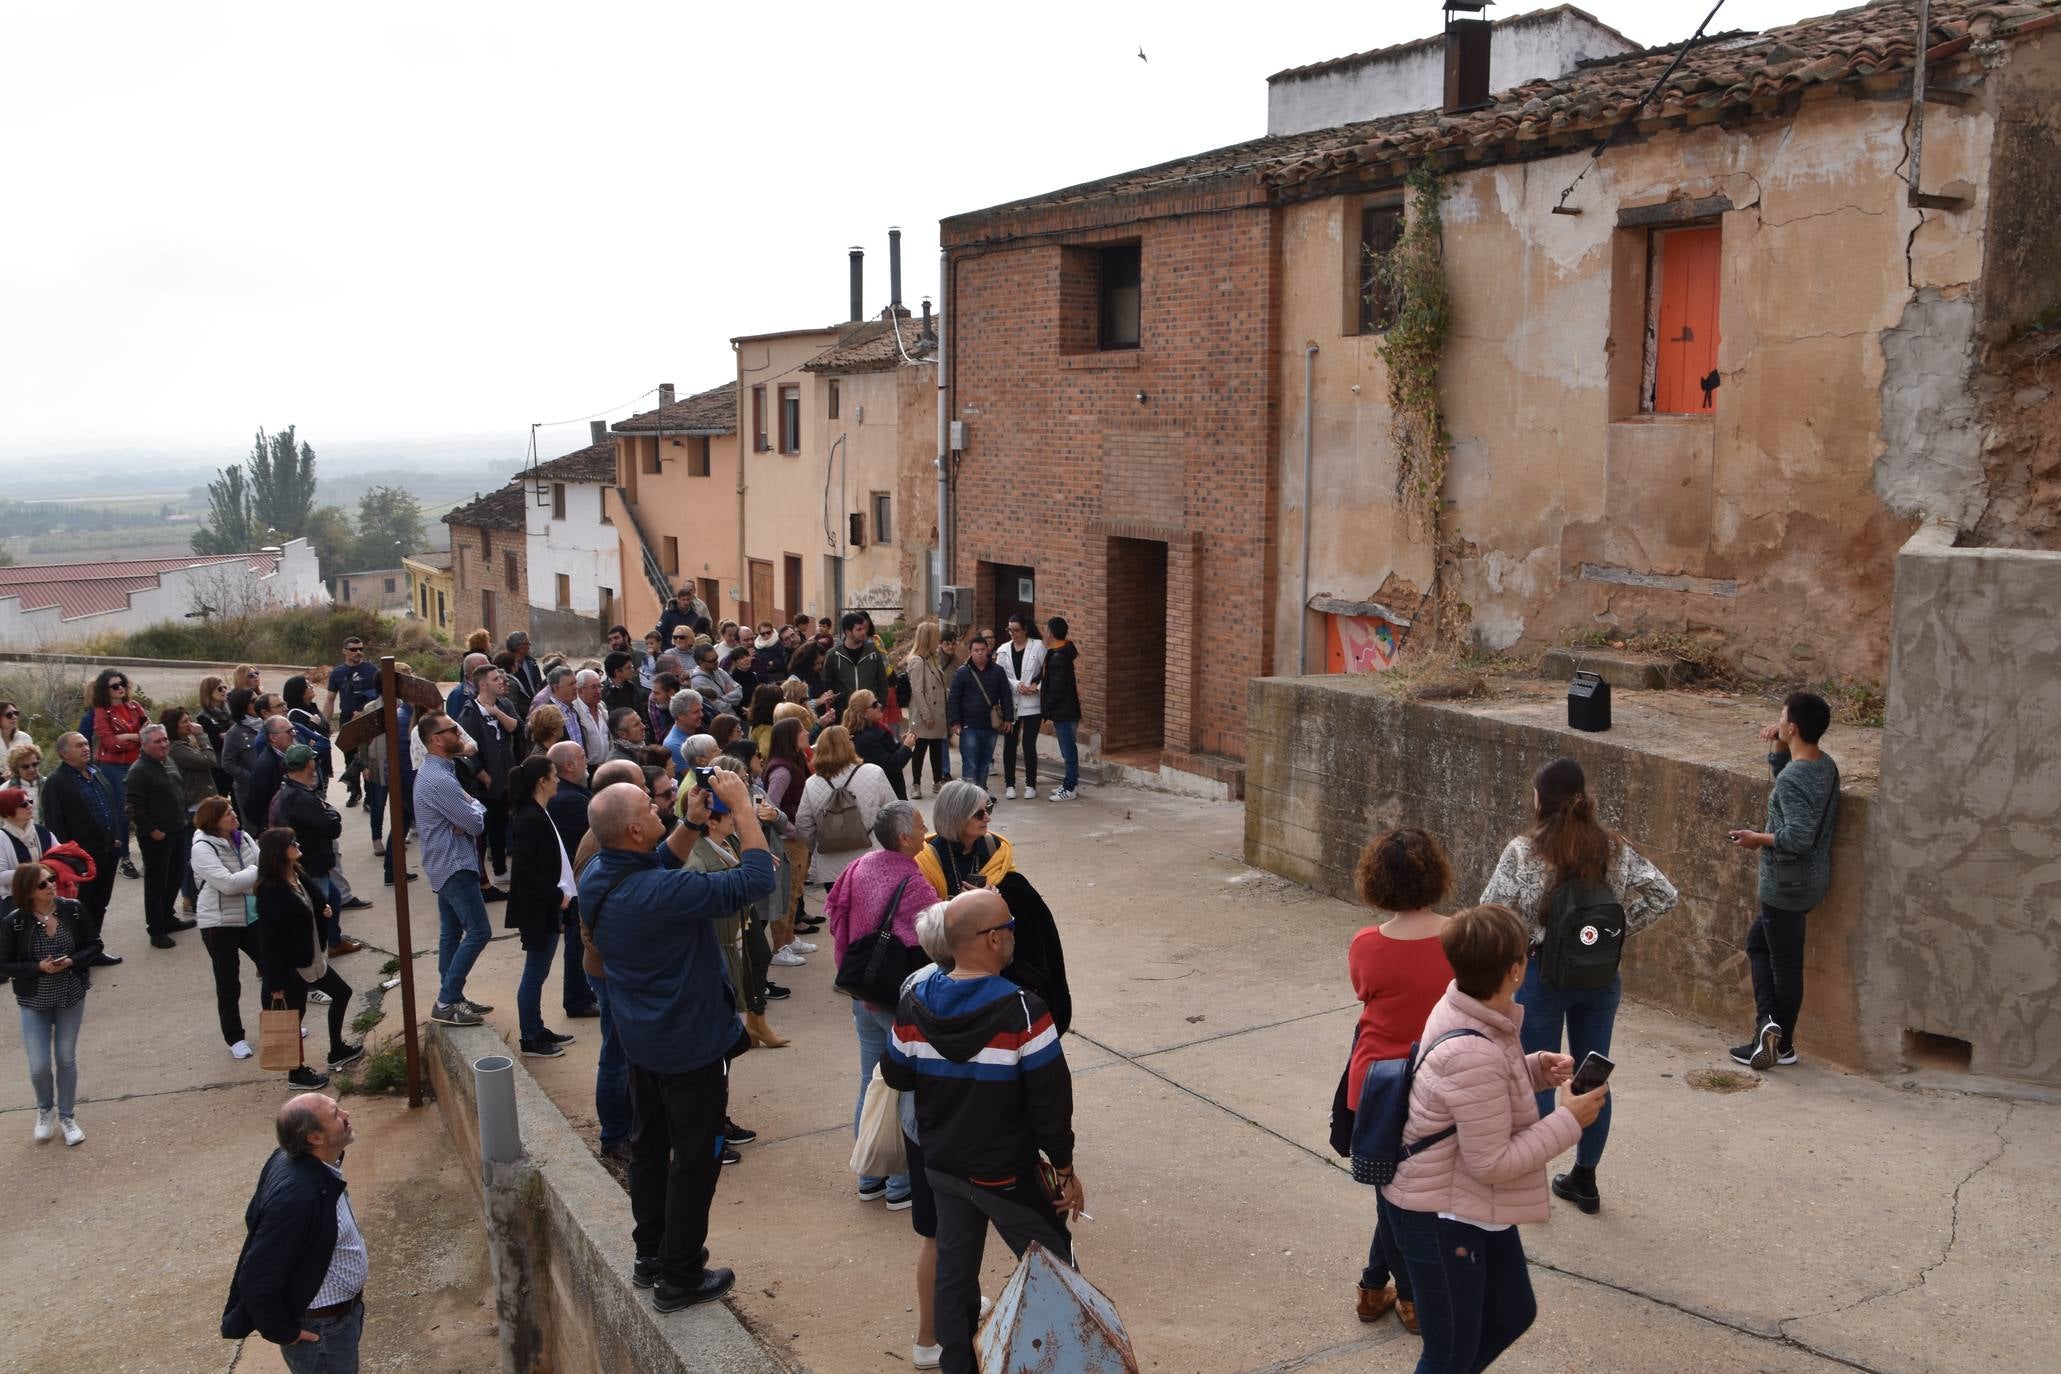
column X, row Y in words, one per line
column 875, row 965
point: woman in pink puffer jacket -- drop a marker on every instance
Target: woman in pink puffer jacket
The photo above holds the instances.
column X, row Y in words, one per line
column 1457, row 1203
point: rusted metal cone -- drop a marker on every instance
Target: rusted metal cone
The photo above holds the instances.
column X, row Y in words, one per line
column 1050, row 1320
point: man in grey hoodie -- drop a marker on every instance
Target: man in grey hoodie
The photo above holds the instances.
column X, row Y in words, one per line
column 1803, row 813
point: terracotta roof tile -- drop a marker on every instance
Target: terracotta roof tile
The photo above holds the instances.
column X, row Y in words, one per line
column 79, row 589
column 594, row 463
column 710, row 412
column 497, row 510
column 872, row 348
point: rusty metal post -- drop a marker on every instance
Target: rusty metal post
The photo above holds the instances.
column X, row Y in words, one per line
column 397, row 830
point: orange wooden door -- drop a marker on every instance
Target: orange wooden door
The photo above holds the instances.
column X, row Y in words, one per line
column 1688, row 342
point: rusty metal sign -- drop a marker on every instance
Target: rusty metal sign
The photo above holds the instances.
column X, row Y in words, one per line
column 1050, row 1320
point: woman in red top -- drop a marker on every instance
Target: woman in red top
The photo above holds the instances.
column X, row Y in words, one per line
column 117, row 742
column 1399, row 972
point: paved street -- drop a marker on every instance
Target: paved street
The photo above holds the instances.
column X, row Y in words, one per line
column 1822, row 1221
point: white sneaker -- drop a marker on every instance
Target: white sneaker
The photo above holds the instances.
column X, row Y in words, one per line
column 1010, row 793
column 787, row 958
column 801, row 946
column 46, row 1124
column 72, row 1134
column 916, row 794
column 240, row 1050
column 926, row 1356
column 317, row 995
column 1063, row 794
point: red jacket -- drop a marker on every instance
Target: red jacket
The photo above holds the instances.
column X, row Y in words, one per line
column 109, row 721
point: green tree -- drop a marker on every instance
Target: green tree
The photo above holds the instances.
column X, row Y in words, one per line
column 330, row 535
column 282, row 483
column 389, row 525
column 229, row 527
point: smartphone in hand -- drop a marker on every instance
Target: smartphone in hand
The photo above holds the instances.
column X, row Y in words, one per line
column 1593, row 1074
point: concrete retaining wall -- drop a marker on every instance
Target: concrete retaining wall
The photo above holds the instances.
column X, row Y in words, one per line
column 1333, row 760
column 1970, row 847
column 565, row 1281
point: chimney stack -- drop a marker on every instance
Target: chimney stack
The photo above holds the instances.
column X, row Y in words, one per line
column 894, row 269
column 1467, row 56
column 858, row 284
column 928, row 337
column 599, row 430
column 665, row 393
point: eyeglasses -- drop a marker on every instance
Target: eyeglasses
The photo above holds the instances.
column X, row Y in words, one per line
column 983, row 813
column 1009, row 924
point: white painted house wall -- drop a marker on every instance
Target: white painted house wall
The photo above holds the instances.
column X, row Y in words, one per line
column 1521, row 48
column 582, row 546
column 226, row 588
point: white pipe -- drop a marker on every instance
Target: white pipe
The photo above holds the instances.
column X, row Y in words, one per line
column 1302, row 607
column 500, row 1139
column 944, row 446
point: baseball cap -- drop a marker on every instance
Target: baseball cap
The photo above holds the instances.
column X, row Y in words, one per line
column 299, row 756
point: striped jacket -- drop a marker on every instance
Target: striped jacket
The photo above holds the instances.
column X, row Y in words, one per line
column 991, row 1083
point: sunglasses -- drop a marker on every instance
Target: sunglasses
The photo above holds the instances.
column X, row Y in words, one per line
column 983, row 813
column 9, row 714
column 45, row 883
column 447, row 730
column 117, row 686
column 1009, row 924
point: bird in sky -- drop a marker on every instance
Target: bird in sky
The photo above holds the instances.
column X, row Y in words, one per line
column 1141, row 54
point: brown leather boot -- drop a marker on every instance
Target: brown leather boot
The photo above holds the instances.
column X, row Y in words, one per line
column 761, row 1033
column 1406, row 1313
column 1375, row 1302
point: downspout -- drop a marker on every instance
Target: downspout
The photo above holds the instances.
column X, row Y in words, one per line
column 743, row 554
column 1302, row 606
column 944, row 444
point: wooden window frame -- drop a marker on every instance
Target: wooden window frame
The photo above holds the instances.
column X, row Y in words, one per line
column 511, row 571
column 558, row 500
column 1378, row 227
column 669, row 546
column 880, row 509
column 561, row 588
column 758, row 419
column 698, row 456
column 789, row 417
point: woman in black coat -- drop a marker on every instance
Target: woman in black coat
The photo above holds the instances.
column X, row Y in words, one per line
column 46, row 948
column 875, row 743
column 292, row 956
column 539, row 890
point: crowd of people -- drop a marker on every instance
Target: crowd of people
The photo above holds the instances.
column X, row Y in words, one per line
column 661, row 834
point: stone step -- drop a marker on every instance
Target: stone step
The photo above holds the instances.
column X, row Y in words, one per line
column 1619, row 667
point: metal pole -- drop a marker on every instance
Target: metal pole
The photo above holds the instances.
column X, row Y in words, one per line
column 944, row 444
column 1302, row 608
column 396, row 831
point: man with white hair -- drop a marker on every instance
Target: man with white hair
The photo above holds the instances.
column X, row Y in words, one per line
column 80, row 808
column 591, row 715
column 675, row 1013
column 267, row 772
column 567, row 808
column 454, row 700
column 686, row 709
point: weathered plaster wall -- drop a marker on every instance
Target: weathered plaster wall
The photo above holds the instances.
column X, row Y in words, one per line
column 1968, row 856
column 890, row 422
column 1760, row 522
column 582, row 546
column 1335, row 760
column 784, row 492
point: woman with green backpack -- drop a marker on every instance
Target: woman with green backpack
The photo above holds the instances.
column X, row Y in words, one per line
column 1582, row 890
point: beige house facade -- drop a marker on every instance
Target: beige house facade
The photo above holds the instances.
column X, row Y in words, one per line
column 673, row 504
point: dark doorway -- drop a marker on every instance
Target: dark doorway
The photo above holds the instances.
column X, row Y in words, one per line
column 1015, row 591
column 487, row 619
column 792, row 572
column 1135, row 611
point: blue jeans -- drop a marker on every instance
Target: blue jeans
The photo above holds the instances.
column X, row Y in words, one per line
column 874, row 1025
column 529, row 993
column 577, row 994
column 1067, row 733
column 323, row 889
column 976, row 755
column 1472, row 1290
column 462, row 932
column 611, row 1073
column 1589, row 1015
column 117, row 775
column 52, row 1040
column 335, row 1348
column 1385, row 1256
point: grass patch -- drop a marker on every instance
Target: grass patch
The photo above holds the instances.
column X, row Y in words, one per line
column 293, row 634
column 365, row 1020
column 1855, row 703
column 390, row 967
column 1723, row 1081
column 1696, row 660
column 383, row 1070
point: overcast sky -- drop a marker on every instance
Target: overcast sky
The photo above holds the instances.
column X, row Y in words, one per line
column 388, row 220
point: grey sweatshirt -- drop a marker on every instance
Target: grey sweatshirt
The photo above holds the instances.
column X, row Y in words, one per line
column 1803, row 803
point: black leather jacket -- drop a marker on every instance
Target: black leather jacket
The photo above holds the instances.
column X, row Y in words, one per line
column 18, row 947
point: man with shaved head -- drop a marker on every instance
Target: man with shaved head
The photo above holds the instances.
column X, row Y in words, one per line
column 300, row 1280
column 675, row 1012
column 611, row 1069
column 992, row 1092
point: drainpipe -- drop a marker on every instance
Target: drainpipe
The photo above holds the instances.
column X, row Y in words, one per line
column 743, row 553
column 944, row 446
column 1302, row 607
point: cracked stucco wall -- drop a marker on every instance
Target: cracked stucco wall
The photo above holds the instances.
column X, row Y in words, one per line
column 1777, row 491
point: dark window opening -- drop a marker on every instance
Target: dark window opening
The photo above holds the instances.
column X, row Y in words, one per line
column 1119, row 296
column 648, row 457
column 511, row 575
column 758, row 419
column 833, row 400
column 698, row 456
column 1381, row 298
column 790, row 419
column 558, row 500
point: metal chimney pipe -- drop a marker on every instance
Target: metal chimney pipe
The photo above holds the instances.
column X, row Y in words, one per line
column 598, row 430
column 894, row 267
column 858, row 284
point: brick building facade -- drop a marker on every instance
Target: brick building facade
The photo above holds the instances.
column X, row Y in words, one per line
column 1112, row 364
column 490, row 565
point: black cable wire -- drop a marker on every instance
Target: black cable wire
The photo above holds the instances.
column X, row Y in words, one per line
column 1596, row 153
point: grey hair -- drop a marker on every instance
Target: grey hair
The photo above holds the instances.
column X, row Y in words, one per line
column 143, row 736
column 556, row 675
column 684, row 704
column 64, row 741
column 956, row 803
column 280, row 721
column 930, row 933
column 895, row 820
column 473, row 661
column 293, row 1125
column 701, row 747
column 587, row 678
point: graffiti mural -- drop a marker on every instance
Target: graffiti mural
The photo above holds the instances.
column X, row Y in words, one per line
column 1363, row 644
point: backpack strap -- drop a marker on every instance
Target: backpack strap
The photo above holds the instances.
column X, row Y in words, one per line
column 592, row 919
column 1411, row 1147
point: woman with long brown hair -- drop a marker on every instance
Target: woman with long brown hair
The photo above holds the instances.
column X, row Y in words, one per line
column 1570, row 856
column 292, row 955
column 46, row 948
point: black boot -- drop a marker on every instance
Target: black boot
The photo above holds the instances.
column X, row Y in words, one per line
column 1578, row 1186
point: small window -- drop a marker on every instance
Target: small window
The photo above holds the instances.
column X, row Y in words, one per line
column 1682, row 321
column 607, row 595
column 443, row 613
column 858, row 529
column 672, row 555
column 883, row 518
column 347, row 588
column 486, row 543
column 790, row 419
column 558, row 500
column 647, row 458
column 563, row 591
column 758, row 419
column 698, row 456
column 389, row 587
column 1119, row 294
column 1381, row 300
column 511, row 574
column 833, row 400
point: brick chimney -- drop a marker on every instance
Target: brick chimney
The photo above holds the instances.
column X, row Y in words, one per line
column 1467, row 56
column 665, row 393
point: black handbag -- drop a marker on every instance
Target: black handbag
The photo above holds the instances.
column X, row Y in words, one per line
column 875, row 965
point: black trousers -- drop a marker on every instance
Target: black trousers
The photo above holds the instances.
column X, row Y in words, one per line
column 1023, row 728
column 339, row 992
column 1774, row 950
column 224, row 945
column 493, row 840
column 93, row 896
column 164, row 869
column 676, row 1145
column 1020, row 1212
column 937, row 751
